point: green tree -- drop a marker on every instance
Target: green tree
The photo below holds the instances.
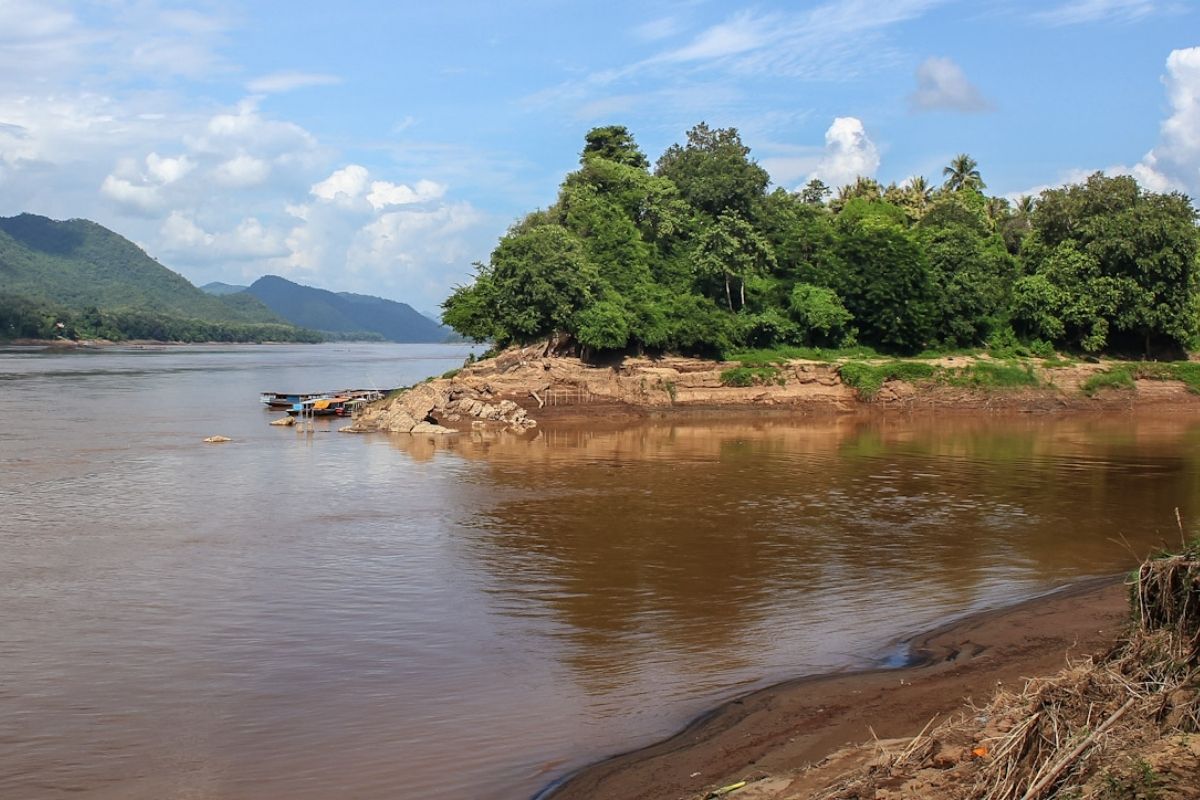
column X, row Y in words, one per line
column 820, row 314
column 801, row 236
column 732, row 250
column 614, row 143
column 1124, row 262
column 532, row 288
column 963, row 173
column 885, row 283
column 714, row 172
column 972, row 273
column 815, row 192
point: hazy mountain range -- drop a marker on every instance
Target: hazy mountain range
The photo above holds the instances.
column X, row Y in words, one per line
column 80, row 266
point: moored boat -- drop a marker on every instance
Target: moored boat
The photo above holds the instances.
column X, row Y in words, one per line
column 288, row 400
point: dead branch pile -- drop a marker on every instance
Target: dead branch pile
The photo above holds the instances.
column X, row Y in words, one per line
column 1119, row 725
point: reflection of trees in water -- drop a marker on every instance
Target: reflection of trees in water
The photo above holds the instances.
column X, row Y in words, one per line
column 701, row 540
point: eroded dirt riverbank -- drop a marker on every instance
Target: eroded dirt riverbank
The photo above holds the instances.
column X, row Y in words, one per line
column 521, row 388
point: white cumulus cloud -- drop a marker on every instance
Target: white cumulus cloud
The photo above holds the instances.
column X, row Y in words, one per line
column 1174, row 163
column 248, row 240
column 242, row 171
column 351, row 185
column 943, row 86
column 849, row 153
column 343, row 186
column 384, row 194
column 166, row 170
column 136, row 197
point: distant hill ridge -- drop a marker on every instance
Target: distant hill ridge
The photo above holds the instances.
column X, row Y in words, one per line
column 345, row 312
column 80, row 264
column 222, row 289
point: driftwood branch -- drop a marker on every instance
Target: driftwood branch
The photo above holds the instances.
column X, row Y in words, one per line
column 1061, row 766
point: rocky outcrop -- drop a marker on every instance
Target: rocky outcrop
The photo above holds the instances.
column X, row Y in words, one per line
column 424, row 408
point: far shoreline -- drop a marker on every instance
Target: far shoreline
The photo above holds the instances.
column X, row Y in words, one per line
column 803, row 720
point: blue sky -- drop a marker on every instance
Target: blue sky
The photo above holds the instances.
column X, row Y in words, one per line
column 383, row 147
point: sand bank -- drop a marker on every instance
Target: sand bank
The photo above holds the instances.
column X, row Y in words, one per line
column 786, row 726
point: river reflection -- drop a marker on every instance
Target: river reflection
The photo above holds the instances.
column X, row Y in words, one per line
column 471, row 617
column 676, row 558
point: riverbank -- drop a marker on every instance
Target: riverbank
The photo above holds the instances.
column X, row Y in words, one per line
column 784, row 728
column 523, row 387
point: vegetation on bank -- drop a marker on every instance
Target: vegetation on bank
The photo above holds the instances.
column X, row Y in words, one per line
column 1122, row 376
column 21, row 318
column 696, row 256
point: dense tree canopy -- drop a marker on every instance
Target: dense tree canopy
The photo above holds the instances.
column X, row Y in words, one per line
column 697, row 256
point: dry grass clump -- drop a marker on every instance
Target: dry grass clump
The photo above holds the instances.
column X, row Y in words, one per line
column 1123, row 725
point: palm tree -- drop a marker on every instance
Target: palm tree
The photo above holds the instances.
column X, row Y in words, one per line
column 919, row 189
column 866, row 188
column 998, row 210
column 963, row 173
column 1025, row 205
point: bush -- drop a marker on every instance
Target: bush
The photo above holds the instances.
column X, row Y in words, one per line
column 985, row 375
column 868, row 379
column 1116, row 378
column 749, row 376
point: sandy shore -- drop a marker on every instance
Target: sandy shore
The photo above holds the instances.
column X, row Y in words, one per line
column 786, row 726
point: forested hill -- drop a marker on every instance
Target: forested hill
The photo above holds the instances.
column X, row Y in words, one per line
column 79, row 264
column 695, row 255
column 221, row 289
column 78, row 279
column 345, row 313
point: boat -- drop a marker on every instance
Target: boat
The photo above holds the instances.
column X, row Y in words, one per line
column 288, row 400
column 316, row 407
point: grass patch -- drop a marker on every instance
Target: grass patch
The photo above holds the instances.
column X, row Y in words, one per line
column 451, row 373
column 1186, row 372
column 1123, row 376
column 1116, row 378
column 928, row 355
column 987, row 375
column 867, row 379
column 749, row 376
column 1057, row 362
column 765, row 357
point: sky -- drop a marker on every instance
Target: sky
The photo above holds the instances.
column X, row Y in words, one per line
column 383, row 147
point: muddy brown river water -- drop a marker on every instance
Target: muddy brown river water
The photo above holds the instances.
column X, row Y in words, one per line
column 315, row 616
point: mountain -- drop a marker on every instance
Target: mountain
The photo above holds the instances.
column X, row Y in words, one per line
column 344, row 312
column 222, row 289
column 79, row 264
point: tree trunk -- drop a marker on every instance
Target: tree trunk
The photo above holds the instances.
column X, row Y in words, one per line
column 728, row 296
column 743, row 289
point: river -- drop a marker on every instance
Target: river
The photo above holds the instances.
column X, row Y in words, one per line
column 316, row 615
